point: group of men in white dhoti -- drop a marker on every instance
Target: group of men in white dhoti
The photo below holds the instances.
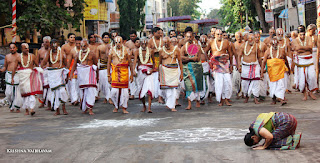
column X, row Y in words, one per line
column 163, row 68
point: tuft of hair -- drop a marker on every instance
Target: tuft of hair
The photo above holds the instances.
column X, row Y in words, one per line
column 70, row 34
column 155, row 30
column 46, row 38
column 78, row 38
column 105, row 33
column 188, row 29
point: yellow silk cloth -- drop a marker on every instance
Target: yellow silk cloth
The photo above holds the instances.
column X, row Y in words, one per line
column 120, row 75
column 276, row 69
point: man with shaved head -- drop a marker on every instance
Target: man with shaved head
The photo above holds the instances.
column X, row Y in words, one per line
column 276, row 60
column 262, row 47
column 294, row 35
column 236, row 77
column 12, row 91
column 57, row 75
column 174, row 41
column 170, row 75
column 207, row 85
column 143, row 57
column 268, row 39
column 220, row 60
column 85, row 64
column 250, row 69
column 120, row 61
column 192, row 68
column 305, row 73
column 29, row 78
column 284, row 43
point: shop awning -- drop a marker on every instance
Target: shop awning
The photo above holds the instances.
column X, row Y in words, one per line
column 284, row 14
column 174, row 19
column 205, row 22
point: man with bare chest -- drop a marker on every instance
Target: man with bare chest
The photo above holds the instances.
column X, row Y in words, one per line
column 305, row 73
column 169, row 72
column 267, row 40
column 192, row 69
column 12, row 91
column 42, row 53
column 119, row 61
column 29, row 78
column 57, row 78
column 144, row 79
column 276, row 60
column 262, row 47
column 250, row 69
column 220, row 63
column 103, row 85
column 155, row 44
column 85, row 64
column 236, row 77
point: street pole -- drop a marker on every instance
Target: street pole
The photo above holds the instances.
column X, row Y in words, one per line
column 287, row 19
column 14, row 21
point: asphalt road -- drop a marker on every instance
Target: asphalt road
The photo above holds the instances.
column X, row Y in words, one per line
column 206, row 134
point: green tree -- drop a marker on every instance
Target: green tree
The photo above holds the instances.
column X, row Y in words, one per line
column 233, row 14
column 214, row 14
column 184, row 7
column 132, row 16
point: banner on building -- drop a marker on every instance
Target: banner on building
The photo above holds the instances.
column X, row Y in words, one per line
column 301, row 14
column 182, row 26
column 91, row 12
column 149, row 21
column 269, row 16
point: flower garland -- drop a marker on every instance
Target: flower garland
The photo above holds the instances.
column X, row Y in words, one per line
column 85, row 56
column 118, row 53
column 146, row 59
column 28, row 62
column 155, row 44
column 57, row 56
column 303, row 44
column 215, row 43
column 278, row 53
column 164, row 50
column 245, row 49
column 284, row 44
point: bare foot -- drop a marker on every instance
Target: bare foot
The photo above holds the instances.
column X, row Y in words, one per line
column 304, row 99
column 273, row 103
column 49, row 109
column 202, row 102
column 11, row 111
column 246, row 100
column 41, row 105
column 27, row 112
column 18, row 111
column 188, row 108
column 65, row 113
column 144, row 109
column 131, row 97
column 283, row 102
column 312, row 96
column 221, row 103
column 97, row 98
column 160, row 100
column 110, row 102
column 85, row 112
column 238, row 97
column 227, row 103
column 256, row 101
column 91, row 112
column 173, row 110
column 105, row 101
column 115, row 110
column 229, row 100
column 198, row 104
column 124, row 110
column 57, row 113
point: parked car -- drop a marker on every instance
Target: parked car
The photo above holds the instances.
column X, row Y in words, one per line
column 2, row 74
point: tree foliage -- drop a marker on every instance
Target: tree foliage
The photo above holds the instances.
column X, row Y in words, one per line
column 45, row 15
column 132, row 16
column 184, row 7
column 233, row 14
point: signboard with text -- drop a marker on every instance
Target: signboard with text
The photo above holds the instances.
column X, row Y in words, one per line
column 91, row 12
column 269, row 16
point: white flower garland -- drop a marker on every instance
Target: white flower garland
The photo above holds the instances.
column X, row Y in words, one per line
column 303, row 44
column 146, row 59
column 57, row 56
column 215, row 43
column 28, row 62
column 164, row 50
column 284, row 44
column 278, row 53
column 75, row 49
column 85, row 56
column 119, row 54
column 155, row 44
column 245, row 49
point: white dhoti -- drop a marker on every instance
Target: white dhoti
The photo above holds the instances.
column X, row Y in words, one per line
column 30, row 84
column 87, row 84
column 277, row 89
column 145, row 82
column 124, row 97
column 236, row 80
column 57, row 85
column 133, row 85
column 46, row 92
column 104, row 85
column 306, row 73
column 223, row 86
column 157, row 91
column 74, row 90
column 169, row 82
column 206, row 81
column 264, row 85
column 250, row 76
column 12, row 91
